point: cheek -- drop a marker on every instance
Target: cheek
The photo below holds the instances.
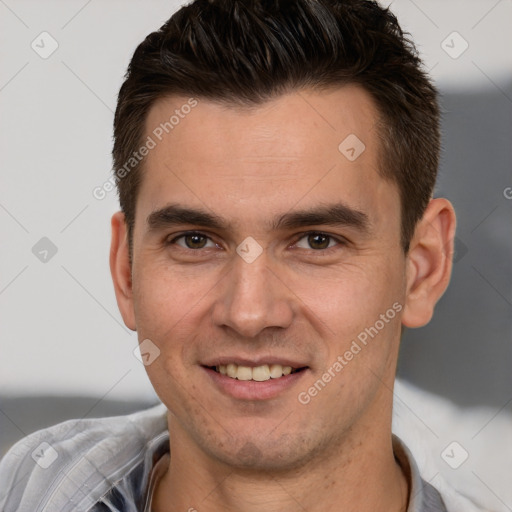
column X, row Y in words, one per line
column 346, row 308
column 167, row 305
column 345, row 301
column 165, row 297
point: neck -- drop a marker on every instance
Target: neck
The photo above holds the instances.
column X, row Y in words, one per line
column 359, row 474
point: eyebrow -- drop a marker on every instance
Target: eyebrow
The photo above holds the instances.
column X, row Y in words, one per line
column 336, row 214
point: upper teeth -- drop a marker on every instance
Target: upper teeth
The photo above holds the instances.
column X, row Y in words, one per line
column 258, row 373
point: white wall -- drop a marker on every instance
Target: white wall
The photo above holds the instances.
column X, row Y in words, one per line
column 61, row 331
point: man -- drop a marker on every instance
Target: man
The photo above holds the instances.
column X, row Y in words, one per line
column 275, row 163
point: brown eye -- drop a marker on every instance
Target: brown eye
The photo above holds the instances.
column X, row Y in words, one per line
column 195, row 241
column 192, row 241
column 318, row 241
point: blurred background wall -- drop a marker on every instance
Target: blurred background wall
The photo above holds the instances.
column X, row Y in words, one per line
column 61, row 66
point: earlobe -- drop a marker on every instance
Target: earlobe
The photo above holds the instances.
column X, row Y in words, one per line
column 429, row 262
column 121, row 271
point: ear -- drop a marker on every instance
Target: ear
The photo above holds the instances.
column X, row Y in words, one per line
column 120, row 269
column 429, row 262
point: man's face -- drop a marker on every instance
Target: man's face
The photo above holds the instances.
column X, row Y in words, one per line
column 285, row 297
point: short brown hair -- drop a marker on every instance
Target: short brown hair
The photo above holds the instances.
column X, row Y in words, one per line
column 246, row 52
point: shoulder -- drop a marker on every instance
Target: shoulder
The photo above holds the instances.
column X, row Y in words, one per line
column 73, row 461
column 455, row 448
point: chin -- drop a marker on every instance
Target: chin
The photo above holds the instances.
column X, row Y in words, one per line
column 285, row 453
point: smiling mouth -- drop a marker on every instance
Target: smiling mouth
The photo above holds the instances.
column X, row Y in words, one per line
column 256, row 373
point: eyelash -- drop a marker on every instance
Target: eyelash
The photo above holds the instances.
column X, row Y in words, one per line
column 319, row 252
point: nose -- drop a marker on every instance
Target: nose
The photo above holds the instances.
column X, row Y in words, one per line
column 252, row 296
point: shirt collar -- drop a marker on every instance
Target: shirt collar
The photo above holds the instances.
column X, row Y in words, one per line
column 423, row 497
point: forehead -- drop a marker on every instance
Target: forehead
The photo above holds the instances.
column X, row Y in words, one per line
column 306, row 146
column 301, row 124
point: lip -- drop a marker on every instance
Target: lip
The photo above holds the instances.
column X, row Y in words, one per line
column 253, row 362
column 252, row 390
